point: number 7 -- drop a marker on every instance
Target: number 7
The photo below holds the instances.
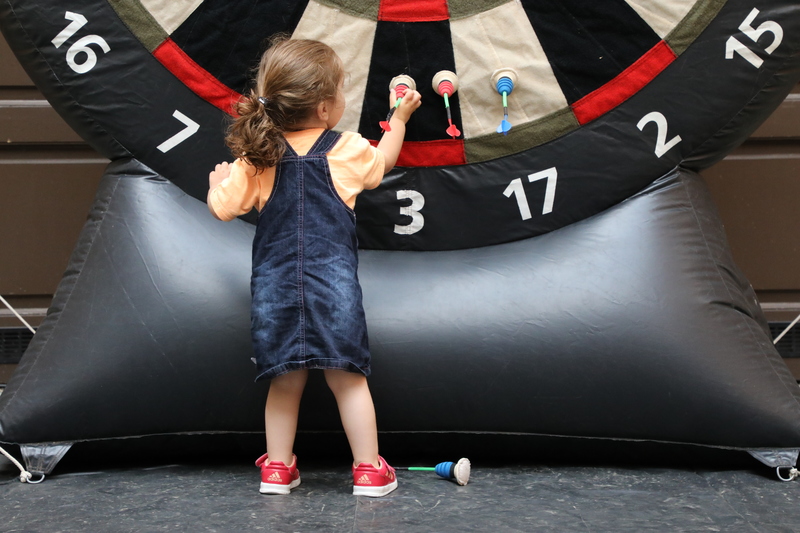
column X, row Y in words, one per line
column 550, row 192
column 190, row 129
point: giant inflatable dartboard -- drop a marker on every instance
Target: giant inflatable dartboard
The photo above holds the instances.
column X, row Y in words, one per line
column 569, row 278
column 587, row 71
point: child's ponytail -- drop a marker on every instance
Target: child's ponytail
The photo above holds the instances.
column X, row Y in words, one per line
column 257, row 133
column 293, row 77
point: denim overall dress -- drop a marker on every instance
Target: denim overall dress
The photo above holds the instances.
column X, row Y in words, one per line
column 307, row 310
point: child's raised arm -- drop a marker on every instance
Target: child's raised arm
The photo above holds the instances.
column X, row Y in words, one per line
column 392, row 141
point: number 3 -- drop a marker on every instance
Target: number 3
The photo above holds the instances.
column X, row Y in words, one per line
column 413, row 211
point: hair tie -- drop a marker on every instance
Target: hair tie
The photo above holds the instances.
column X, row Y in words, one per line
column 263, row 100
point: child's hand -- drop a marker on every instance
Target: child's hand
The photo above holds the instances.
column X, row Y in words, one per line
column 220, row 172
column 215, row 177
column 410, row 103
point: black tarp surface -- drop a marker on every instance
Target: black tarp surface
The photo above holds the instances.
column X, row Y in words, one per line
column 633, row 324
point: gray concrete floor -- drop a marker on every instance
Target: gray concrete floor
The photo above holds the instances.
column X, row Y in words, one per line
column 539, row 485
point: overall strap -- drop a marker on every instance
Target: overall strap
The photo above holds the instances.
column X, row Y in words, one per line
column 324, row 143
column 289, row 153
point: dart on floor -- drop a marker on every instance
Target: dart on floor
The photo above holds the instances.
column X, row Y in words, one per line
column 445, row 83
column 399, row 84
column 458, row 472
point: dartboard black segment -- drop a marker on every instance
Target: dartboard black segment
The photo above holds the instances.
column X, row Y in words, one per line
column 430, row 46
column 625, row 84
column 594, row 54
column 227, row 38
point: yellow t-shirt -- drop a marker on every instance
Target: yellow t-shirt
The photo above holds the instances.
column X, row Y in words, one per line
column 354, row 163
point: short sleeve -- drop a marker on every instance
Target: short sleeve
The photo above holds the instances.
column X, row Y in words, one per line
column 355, row 165
column 368, row 159
column 238, row 193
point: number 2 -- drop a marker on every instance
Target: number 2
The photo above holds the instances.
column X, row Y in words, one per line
column 662, row 145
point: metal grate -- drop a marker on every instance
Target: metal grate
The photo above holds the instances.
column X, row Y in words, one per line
column 13, row 343
column 789, row 345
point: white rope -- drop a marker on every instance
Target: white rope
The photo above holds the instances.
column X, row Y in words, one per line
column 24, row 475
column 20, row 316
column 793, row 473
column 779, row 337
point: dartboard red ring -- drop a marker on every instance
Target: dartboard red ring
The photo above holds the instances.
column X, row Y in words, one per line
column 609, row 96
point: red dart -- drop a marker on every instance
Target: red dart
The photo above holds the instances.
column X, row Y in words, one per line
column 452, row 131
column 399, row 91
column 445, row 85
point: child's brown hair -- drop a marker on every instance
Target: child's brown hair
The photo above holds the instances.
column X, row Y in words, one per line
column 294, row 76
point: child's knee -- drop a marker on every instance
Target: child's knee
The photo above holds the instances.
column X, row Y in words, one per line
column 341, row 379
column 291, row 381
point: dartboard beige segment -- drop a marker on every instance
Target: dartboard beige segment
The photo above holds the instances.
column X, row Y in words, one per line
column 351, row 37
column 170, row 15
column 502, row 38
column 662, row 16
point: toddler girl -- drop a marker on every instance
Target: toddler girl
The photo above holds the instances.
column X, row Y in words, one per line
column 306, row 311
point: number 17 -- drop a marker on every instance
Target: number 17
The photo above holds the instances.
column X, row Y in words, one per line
column 516, row 188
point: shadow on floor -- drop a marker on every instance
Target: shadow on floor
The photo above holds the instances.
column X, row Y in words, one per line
column 487, row 450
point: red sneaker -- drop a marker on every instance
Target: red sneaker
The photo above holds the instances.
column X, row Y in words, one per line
column 374, row 482
column 276, row 477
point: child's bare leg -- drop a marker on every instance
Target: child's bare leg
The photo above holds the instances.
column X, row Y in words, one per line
column 357, row 412
column 280, row 414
